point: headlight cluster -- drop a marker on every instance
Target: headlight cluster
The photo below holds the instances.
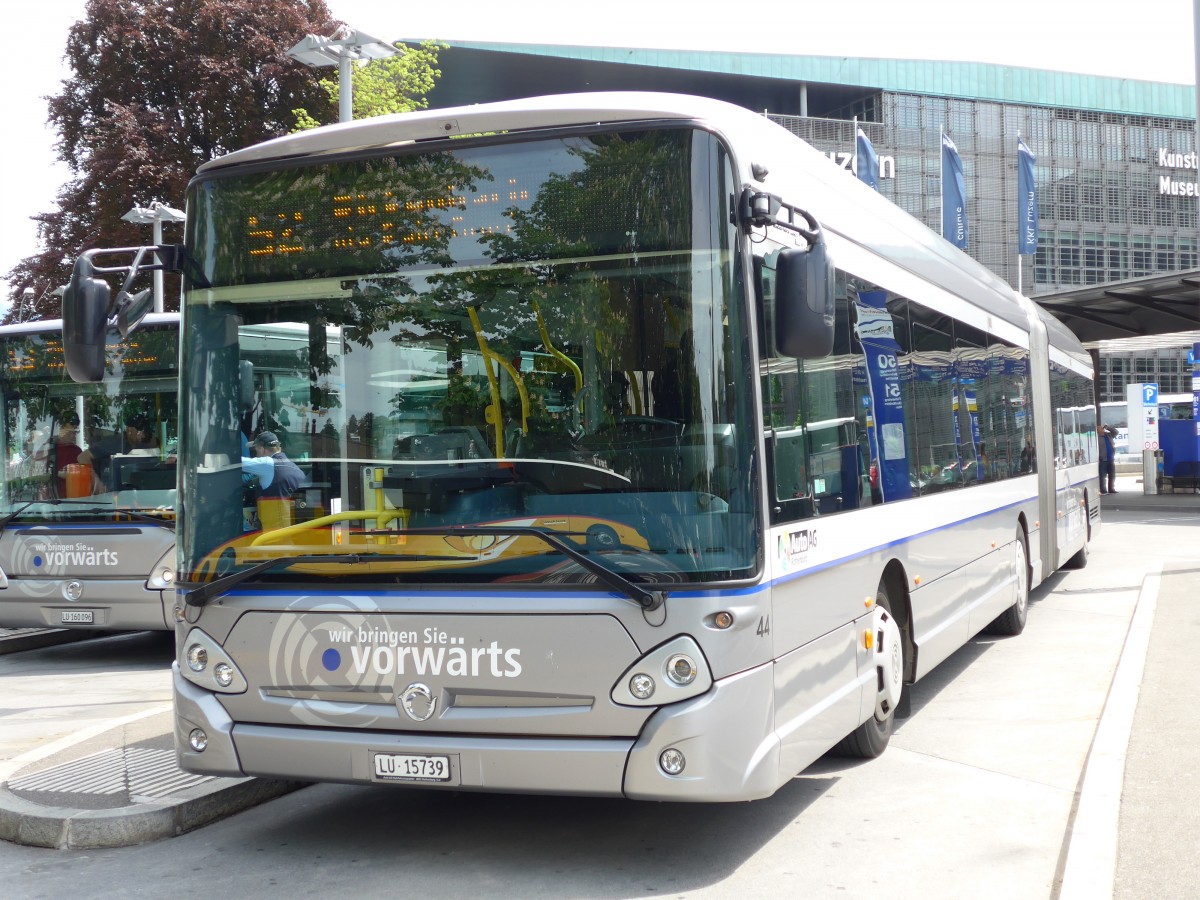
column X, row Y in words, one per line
column 162, row 576
column 205, row 663
column 669, row 673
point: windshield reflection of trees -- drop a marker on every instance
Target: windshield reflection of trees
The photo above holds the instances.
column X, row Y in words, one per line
column 43, row 431
column 543, row 406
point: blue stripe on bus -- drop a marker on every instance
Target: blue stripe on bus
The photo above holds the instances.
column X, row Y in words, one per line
column 694, row 594
column 820, row 567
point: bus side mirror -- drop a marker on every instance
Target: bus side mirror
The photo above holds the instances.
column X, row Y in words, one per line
column 246, row 394
column 85, row 323
column 804, row 286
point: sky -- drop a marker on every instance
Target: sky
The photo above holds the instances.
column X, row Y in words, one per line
column 1149, row 41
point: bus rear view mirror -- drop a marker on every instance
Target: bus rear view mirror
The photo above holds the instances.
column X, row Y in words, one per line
column 804, row 284
column 247, row 396
column 85, row 323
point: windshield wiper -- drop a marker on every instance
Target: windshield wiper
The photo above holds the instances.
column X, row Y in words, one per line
column 16, row 512
column 169, row 524
column 611, row 578
column 225, row 583
column 648, row 600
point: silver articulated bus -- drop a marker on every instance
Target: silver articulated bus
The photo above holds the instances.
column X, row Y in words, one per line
column 87, row 501
column 620, row 445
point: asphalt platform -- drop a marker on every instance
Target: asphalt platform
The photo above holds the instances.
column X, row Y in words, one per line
column 116, row 784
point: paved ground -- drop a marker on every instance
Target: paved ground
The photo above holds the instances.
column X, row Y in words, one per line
column 96, row 772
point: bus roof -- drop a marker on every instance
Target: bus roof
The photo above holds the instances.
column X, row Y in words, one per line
column 42, row 326
column 844, row 205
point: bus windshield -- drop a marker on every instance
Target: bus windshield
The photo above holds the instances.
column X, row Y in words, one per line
column 390, row 359
column 86, row 452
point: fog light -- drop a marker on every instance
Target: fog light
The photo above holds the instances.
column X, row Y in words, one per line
column 681, row 669
column 198, row 740
column 197, row 658
column 641, row 686
column 223, row 674
column 671, row 761
column 167, row 575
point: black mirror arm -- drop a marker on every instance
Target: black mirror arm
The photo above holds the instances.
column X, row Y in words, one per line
column 168, row 258
column 759, row 209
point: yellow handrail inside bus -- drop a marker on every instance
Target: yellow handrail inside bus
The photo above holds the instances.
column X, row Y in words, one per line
column 495, row 416
column 555, row 352
column 357, row 515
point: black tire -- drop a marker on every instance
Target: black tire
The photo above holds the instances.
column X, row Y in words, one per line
column 1011, row 622
column 871, row 738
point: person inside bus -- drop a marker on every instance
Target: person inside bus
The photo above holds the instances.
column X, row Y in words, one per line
column 1025, row 462
column 66, row 450
column 275, row 476
column 139, row 437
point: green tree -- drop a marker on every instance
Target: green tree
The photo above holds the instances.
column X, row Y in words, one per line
column 158, row 88
column 394, row 85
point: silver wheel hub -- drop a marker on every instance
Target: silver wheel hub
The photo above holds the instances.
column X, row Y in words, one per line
column 889, row 661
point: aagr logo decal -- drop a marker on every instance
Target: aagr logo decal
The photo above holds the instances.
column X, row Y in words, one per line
column 428, row 652
column 793, row 549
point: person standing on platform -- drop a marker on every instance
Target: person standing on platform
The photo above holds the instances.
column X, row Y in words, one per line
column 1108, row 461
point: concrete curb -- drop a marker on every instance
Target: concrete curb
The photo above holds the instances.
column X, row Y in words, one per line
column 1090, row 866
column 34, row 825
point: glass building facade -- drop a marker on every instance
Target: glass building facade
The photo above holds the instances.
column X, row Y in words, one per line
column 1116, row 170
column 1113, row 200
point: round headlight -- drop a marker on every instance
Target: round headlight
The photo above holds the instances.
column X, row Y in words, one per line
column 672, row 761
column 197, row 739
column 197, row 658
column 641, row 686
column 223, row 674
column 681, row 669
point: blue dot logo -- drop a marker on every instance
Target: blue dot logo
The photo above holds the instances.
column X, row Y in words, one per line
column 331, row 660
column 37, row 561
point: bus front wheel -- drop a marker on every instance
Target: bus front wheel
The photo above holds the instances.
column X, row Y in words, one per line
column 1012, row 621
column 871, row 738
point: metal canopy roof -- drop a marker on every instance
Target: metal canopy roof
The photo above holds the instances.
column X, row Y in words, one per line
column 474, row 72
column 1139, row 314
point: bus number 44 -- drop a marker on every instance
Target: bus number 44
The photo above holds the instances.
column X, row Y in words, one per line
column 764, row 626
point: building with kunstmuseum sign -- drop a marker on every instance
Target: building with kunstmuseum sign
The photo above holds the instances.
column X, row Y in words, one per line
column 1116, row 167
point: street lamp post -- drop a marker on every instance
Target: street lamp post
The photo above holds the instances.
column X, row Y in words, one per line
column 341, row 49
column 155, row 214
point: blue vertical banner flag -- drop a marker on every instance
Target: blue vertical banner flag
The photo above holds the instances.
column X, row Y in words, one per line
column 868, row 161
column 1196, row 386
column 954, row 196
column 875, row 331
column 1027, row 205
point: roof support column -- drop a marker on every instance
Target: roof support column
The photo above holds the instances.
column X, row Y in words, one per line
column 804, row 90
column 1196, row 44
